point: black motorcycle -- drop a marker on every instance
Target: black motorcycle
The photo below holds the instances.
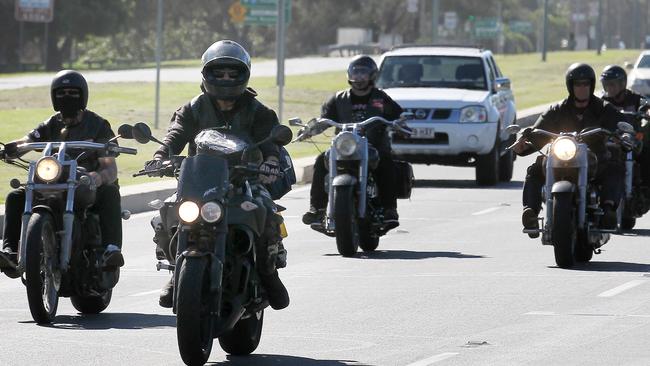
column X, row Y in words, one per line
column 214, row 222
column 60, row 249
column 354, row 212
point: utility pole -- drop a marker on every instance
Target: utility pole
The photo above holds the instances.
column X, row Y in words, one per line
column 279, row 40
column 599, row 28
column 545, row 31
column 159, row 24
column 435, row 11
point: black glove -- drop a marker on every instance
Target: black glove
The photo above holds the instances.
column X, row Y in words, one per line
column 153, row 165
column 11, row 150
column 270, row 170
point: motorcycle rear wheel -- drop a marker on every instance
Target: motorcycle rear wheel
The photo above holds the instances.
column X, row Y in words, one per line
column 245, row 336
column 563, row 230
column 40, row 265
column 367, row 241
column 345, row 219
column 193, row 320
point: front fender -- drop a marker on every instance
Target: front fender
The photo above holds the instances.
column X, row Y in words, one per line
column 344, row 180
column 563, row 186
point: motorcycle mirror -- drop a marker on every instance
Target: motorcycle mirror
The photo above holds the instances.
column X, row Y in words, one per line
column 407, row 115
column 281, row 135
column 141, row 133
column 125, row 131
column 295, row 121
column 625, row 127
column 513, row 129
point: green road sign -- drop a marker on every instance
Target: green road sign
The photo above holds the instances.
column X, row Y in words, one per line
column 485, row 28
column 520, row 26
column 264, row 12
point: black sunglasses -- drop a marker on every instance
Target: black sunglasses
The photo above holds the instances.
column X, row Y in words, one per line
column 220, row 74
column 67, row 92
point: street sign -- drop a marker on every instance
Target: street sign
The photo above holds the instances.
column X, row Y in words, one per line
column 260, row 12
column 451, row 20
column 39, row 11
column 486, row 28
column 521, row 26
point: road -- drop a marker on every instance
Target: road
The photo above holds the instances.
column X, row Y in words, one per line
column 293, row 66
column 456, row 284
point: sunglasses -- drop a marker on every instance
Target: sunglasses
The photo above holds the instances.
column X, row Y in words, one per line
column 67, row 92
column 220, row 74
column 582, row 83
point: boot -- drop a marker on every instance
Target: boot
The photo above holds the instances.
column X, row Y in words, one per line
column 112, row 257
column 313, row 216
column 391, row 218
column 8, row 263
column 529, row 220
column 609, row 219
column 275, row 290
column 167, row 294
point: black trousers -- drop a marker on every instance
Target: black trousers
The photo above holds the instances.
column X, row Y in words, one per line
column 610, row 177
column 107, row 206
column 384, row 176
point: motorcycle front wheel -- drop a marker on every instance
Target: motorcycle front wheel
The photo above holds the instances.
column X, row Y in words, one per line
column 40, row 267
column 345, row 220
column 563, row 230
column 193, row 319
column 245, row 336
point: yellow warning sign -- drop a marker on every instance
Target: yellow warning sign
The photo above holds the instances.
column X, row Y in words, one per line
column 237, row 12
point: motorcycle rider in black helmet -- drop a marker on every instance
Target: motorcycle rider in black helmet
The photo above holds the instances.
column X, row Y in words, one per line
column 614, row 81
column 582, row 109
column 361, row 101
column 72, row 122
column 226, row 101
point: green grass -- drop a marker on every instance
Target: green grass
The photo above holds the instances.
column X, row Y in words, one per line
column 534, row 83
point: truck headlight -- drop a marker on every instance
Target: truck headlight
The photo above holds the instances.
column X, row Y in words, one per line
column 473, row 113
column 345, row 144
column 211, row 212
column 188, row 211
column 48, row 169
column 564, row 148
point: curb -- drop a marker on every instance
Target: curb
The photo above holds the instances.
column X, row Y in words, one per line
column 136, row 198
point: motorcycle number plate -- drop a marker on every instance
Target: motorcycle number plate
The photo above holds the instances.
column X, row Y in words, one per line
column 423, row 133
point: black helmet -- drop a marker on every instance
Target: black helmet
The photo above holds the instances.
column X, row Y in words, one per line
column 361, row 65
column 69, row 79
column 614, row 72
column 580, row 71
column 225, row 54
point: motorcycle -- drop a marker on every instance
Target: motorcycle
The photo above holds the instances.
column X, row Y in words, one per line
column 354, row 214
column 214, row 222
column 60, row 249
column 573, row 213
column 637, row 199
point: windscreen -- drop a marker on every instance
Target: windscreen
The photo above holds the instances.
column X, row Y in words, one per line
column 432, row 72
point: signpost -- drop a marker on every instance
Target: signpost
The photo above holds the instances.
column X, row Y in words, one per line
column 487, row 28
column 37, row 11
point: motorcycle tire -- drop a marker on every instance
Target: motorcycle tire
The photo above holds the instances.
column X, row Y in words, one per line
column 92, row 304
column 245, row 336
column 40, row 265
column 563, row 230
column 583, row 252
column 367, row 241
column 345, row 218
column 627, row 222
column 193, row 320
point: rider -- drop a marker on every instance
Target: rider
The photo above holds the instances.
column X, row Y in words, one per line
column 614, row 80
column 226, row 101
column 361, row 101
column 73, row 122
column 582, row 109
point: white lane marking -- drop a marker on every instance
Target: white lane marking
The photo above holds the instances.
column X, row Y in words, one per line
column 540, row 313
column 146, row 293
column 486, row 211
column 434, row 359
column 624, row 287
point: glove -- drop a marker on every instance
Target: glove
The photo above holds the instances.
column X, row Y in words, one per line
column 270, row 169
column 11, row 150
column 152, row 165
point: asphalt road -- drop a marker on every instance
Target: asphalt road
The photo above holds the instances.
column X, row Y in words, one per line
column 456, row 284
column 293, row 66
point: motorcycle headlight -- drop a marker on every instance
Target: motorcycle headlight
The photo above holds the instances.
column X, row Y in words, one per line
column 564, row 149
column 345, row 144
column 48, row 169
column 473, row 114
column 188, row 211
column 211, row 212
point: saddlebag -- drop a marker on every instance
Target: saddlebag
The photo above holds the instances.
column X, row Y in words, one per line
column 404, row 179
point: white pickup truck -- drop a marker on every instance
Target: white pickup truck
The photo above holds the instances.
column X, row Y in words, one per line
column 461, row 103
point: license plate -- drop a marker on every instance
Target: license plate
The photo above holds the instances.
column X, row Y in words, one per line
column 423, row 133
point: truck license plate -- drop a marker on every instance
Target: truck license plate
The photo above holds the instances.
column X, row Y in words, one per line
column 423, row 133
